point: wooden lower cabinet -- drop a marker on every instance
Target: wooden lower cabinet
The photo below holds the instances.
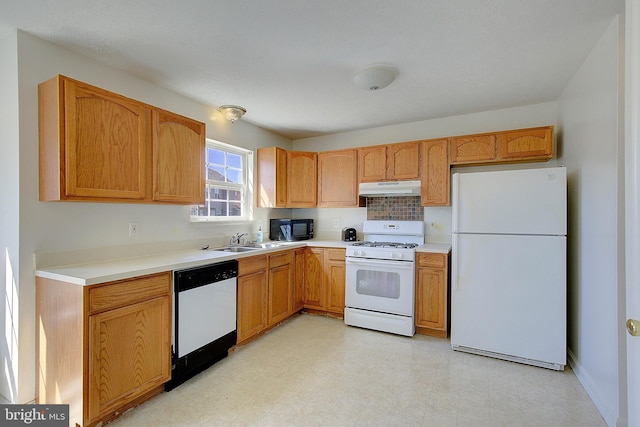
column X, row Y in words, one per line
column 280, row 288
column 104, row 348
column 252, row 296
column 432, row 294
column 325, row 271
column 298, row 279
column 267, row 291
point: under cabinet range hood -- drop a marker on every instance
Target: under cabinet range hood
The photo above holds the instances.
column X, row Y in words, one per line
column 389, row 188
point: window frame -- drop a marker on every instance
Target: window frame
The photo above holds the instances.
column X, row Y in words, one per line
column 246, row 188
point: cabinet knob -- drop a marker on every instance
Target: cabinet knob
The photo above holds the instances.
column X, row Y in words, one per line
column 633, row 326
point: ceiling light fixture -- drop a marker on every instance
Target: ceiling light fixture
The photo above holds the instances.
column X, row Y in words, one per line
column 232, row 112
column 376, row 77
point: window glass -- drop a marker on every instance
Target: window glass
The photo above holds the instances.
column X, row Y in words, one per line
column 227, row 195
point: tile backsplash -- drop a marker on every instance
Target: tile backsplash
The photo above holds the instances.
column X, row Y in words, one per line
column 405, row 208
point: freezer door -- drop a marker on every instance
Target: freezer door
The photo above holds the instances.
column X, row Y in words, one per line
column 526, row 201
column 508, row 295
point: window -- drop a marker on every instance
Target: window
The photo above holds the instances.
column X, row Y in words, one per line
column 227, row 177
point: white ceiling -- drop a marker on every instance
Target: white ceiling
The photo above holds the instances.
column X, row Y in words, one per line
column 290, row 63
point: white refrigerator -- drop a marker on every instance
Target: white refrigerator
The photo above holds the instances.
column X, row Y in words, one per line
column 508, row 267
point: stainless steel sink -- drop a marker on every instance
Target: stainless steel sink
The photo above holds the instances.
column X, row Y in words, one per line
column 266, row 245
column 235, row 249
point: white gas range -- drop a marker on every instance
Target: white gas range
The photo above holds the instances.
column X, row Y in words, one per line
column 380, row 278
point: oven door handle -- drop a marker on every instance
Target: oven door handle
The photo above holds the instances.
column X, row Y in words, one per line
column 409, row 265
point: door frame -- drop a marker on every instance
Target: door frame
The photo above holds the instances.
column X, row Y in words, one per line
column 632, row 202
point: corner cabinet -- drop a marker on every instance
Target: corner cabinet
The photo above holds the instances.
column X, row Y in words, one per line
column 325, row 270
column 432, row 294
column 103, row 348
column 286, row 179
column 98, row 146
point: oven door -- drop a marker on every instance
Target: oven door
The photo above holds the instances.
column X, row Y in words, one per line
column 380, row 285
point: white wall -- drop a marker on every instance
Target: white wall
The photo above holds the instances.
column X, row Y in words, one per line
column 544, row 114
column 68, row 226
column 591, row 147
column 9, row 216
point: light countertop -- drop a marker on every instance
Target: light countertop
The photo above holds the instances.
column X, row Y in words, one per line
column 124, row 268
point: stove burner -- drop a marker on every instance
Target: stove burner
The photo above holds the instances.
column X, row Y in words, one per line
column 386, row 245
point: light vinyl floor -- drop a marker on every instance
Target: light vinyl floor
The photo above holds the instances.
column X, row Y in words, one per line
column 316, row 371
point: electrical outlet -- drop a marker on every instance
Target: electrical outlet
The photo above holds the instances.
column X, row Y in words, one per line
column 433, row 225
column 336, row 223
column 133, row 229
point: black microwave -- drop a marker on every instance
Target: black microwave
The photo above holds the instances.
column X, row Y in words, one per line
column 291, row 229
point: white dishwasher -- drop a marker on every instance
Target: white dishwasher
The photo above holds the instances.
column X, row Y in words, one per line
column 204, row 318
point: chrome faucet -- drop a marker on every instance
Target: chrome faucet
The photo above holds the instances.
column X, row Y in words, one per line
column 235, row 239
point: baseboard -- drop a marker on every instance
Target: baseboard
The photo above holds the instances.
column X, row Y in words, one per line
column 593, row 391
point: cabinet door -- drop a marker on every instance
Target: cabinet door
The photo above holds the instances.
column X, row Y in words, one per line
column 403, row 161
column 178, row 159
column 105, row 148
column 436, row 176
column 432, row 294
column 473, row 149
column 298, row 279
column 335, row 268
column 430, row 298
column 252, row 307
column 129, row 353
column 280, row 293
column 338, row 178
column 302, row 179
column 527, row 144
column 314, row 295
column 271, row 178
column 372, row 164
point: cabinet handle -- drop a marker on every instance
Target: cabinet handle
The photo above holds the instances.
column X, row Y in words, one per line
column 633, row 327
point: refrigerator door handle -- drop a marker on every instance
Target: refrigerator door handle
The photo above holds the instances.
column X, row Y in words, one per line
column 455, row 276
column 454, row 204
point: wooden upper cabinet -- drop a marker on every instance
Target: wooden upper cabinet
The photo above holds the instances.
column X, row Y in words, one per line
column 272, row 178
column 436, row 176
column 302, row 179
column 515, row 146
column 526, row 144
column 93, row 143
column 178, row 158
column 391, row 162
column 372, row 164
column 403, row 161
column 473, row 149
column 338, row 178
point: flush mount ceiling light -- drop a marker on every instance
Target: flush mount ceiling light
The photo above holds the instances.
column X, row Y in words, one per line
column 376, row 77
column 232, row 112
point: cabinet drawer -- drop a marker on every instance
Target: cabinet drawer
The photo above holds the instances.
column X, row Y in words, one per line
column 251, row 265
column 126, row 292
column 336, row 254
column 432, row 260
column 283, row 258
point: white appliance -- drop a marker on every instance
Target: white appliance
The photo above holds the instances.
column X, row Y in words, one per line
column 204, row 318
column 508, row 297
column 380, row 277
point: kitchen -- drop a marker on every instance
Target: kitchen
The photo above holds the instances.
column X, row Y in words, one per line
column 48, row 228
